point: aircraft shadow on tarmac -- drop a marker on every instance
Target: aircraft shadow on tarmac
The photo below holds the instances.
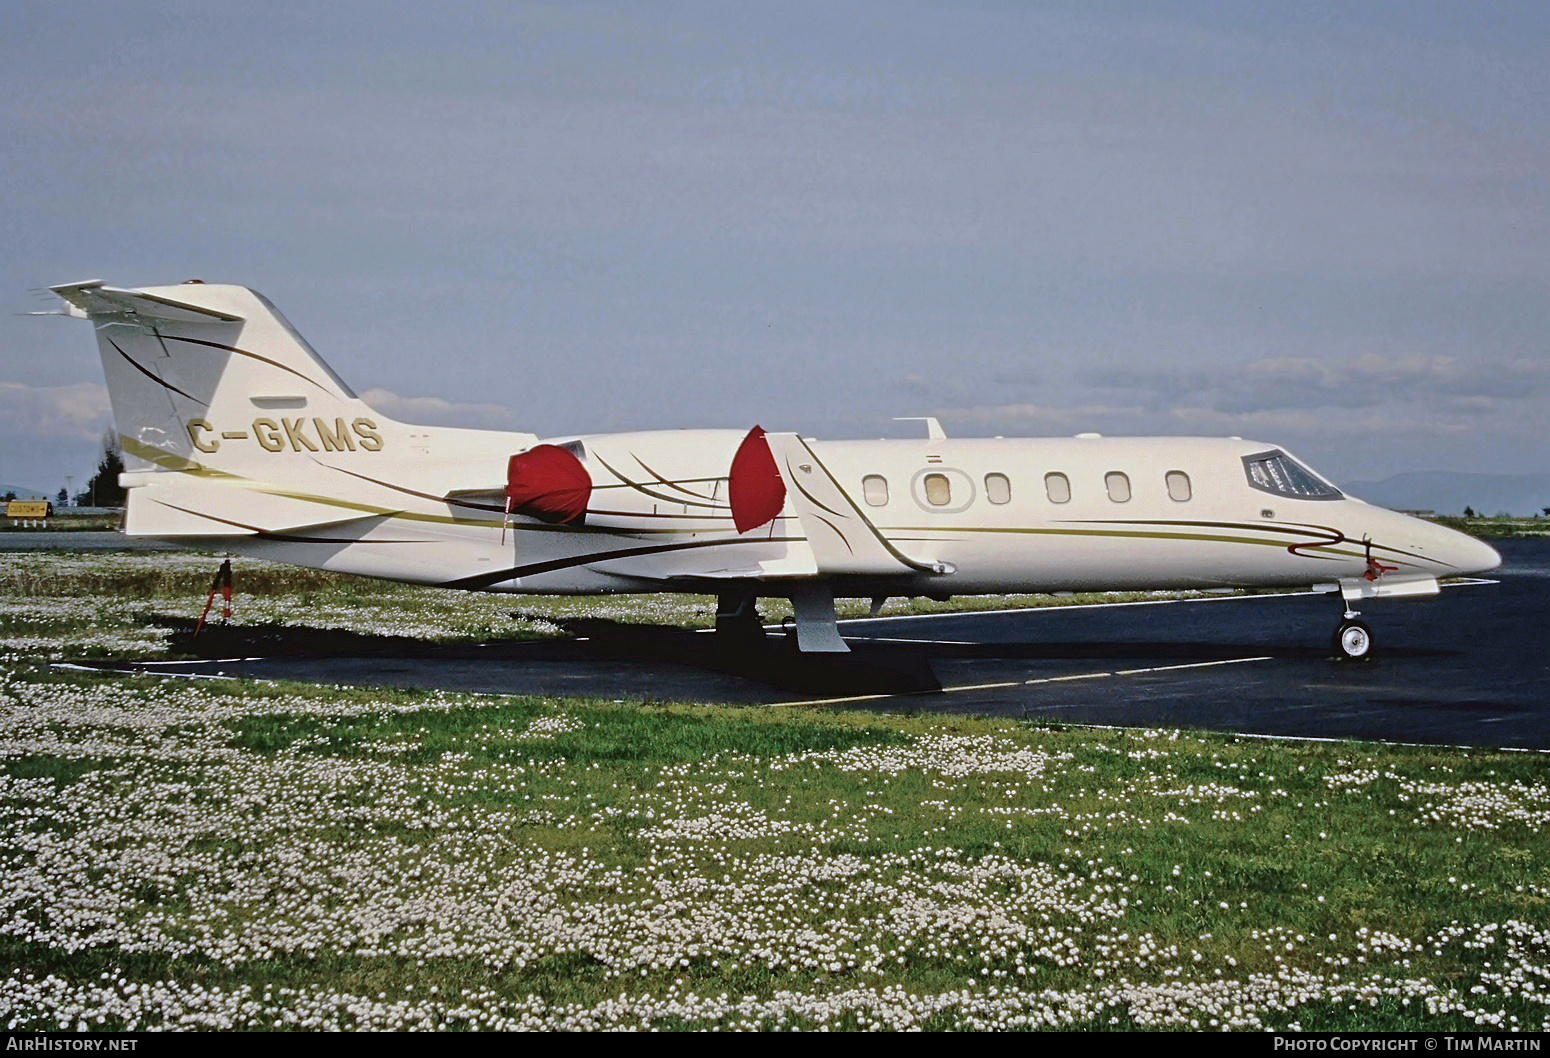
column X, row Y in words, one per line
column 871, row 667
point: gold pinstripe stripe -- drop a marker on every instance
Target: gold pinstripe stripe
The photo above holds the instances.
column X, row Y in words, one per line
column 1133, row 533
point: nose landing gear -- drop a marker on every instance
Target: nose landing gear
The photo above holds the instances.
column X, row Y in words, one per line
column 1353, row 639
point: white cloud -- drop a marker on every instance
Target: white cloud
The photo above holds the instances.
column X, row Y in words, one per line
column 75, row 412
column 437, row 411
column 1345, row 443
column 1366, row 381
column 49, row 433
column 1028, row 417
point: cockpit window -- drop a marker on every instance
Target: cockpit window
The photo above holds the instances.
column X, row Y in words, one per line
column 1279, row 473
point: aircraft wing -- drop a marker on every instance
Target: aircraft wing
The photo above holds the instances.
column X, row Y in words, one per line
column 795, row 565
column 843, row 539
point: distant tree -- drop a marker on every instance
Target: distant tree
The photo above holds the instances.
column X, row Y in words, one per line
column 63, row 498
column 103, row 490
column 9, row 496
column 1469, row 512
column 1545, row 511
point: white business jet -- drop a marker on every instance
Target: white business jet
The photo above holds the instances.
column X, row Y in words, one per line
column 236, row 436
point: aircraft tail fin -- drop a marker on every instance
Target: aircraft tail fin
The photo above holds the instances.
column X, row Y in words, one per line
column 190, row 368
column 211, row 386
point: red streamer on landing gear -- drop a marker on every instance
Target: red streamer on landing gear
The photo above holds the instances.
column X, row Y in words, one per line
column 1375, row 569
column 222, row 584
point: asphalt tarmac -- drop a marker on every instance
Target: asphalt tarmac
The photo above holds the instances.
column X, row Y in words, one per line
column 1469, row 667
column 77, row 540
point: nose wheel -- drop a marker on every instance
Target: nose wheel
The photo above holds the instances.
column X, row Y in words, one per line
column 1353, row 639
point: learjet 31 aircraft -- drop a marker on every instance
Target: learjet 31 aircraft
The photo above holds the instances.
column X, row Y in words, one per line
column 236, row 436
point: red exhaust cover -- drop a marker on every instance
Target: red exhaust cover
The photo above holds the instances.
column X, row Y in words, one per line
column 548, row 483
column 754, row 488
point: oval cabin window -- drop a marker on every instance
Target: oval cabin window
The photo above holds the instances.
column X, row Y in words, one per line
column 938, row 492
column 998, row 489
column 1178, row 485
column 875, row 488
column 1118, row 485
column 1058, row 487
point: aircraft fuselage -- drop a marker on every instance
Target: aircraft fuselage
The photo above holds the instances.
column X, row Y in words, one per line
column 1005, row 515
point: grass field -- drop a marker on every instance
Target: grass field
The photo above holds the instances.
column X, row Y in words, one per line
column 1497, row 527
column 181, row 854
column 68, row 522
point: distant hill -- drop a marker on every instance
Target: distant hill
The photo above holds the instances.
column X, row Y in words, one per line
column 23, row 492
column 1449, row 493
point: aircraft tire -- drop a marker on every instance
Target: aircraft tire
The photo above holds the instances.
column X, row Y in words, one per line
column 1353, row 640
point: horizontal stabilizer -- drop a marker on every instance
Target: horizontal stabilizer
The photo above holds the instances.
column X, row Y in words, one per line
column 95, row 298
column 184, row 506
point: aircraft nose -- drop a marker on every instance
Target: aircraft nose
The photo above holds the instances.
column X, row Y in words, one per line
column 1448, row 552
column 1469, row 555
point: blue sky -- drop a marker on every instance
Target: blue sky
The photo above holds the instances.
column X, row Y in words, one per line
column 1325, row 227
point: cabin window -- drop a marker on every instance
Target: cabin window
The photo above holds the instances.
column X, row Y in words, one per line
column 1277, row 472
column 1118, row 485
column 998, row 489
column 875, row 488
column 1178, row 485
column 939, row 493
column 1058, row 487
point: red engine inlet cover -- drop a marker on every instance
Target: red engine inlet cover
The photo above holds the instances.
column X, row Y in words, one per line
column 754, row 488
column 548, row 483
